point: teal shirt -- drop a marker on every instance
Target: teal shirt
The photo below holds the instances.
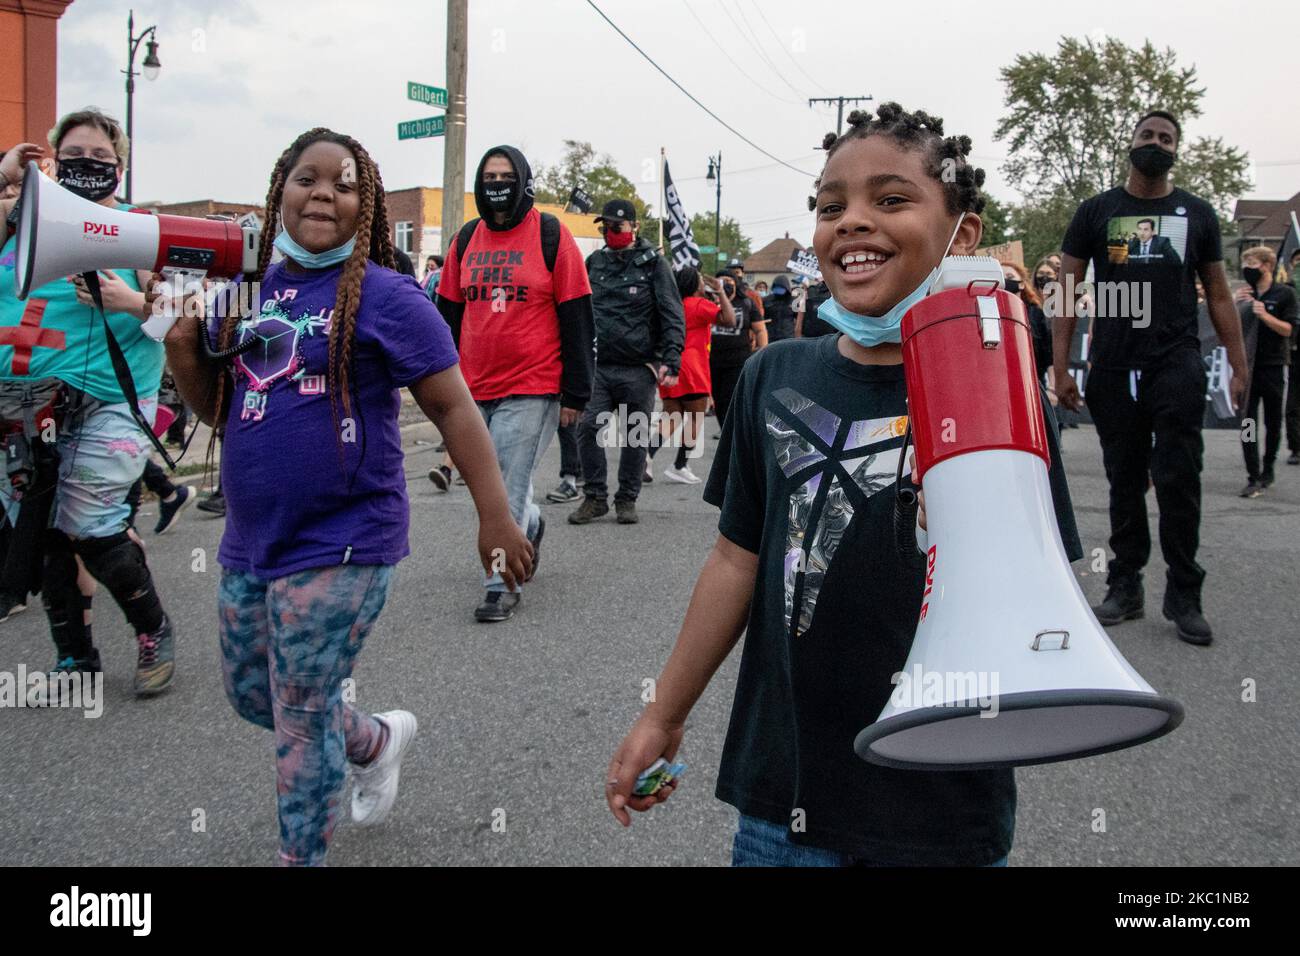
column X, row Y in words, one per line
column 52, row 335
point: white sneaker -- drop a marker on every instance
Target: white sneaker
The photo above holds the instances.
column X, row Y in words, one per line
column 374, row 786
column 682, row 475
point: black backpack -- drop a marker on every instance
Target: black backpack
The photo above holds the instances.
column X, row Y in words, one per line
column 550, row 239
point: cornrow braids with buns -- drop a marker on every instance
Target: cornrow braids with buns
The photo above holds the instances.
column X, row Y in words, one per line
column 946, row 156
column 372, row 242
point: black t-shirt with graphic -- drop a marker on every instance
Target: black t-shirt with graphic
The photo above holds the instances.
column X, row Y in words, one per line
column 1145, row 255
column 1269, row 347
column 806, row 466
column 729, row 347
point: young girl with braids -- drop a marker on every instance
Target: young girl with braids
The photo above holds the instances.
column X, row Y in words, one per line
column 311, row 468
column 806, row 563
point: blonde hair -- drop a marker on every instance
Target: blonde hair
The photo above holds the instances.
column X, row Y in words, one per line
column 1264, row 254
column 95, row 118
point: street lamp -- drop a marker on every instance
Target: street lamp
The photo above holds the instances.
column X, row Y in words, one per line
column 715, row 173
column 151, row 66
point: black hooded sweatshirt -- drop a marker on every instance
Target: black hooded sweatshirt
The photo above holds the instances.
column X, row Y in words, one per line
column 574, row 316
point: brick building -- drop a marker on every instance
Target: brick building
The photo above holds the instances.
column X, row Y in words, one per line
column 29, row 47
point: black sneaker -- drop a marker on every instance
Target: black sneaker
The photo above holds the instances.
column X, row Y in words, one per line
column 537, row 545
column 1294, row 459
column 1266, row 478
column 1184, row 610
column 11, row 605
column 169, row 511
column 626, row 512
column 497, row 606
column 589, row 510
column 441, row 477
column 1124, row 601
column 67, row 665
column 1253, row 489
column 565, row 491
column 213, row 504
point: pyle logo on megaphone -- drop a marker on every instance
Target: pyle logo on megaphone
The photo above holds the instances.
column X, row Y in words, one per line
column 99, row 231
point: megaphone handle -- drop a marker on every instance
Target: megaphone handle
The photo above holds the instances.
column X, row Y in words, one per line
column 906, row 505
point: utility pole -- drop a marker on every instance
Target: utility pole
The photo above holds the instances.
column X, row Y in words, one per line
column 840, row 100
column 453, row 162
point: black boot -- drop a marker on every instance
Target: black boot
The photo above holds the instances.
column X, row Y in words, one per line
column 1124, row 600
column 1184, row 609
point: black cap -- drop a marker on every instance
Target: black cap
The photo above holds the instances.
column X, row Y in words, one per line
column 618, row 210
column 735, row 264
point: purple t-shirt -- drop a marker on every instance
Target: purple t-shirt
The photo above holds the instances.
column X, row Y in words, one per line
column 302, row 492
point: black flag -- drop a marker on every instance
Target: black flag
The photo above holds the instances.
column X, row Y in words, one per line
column 680, row 241
column 579, row 200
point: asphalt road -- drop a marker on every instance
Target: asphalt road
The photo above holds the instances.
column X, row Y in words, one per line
column 518, row 720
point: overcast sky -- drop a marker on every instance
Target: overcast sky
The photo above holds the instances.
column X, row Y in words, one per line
column 241, row 79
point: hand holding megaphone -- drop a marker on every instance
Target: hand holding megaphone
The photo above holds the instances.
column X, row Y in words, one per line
column 117, row 295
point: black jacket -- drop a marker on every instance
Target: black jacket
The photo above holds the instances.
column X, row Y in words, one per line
column 637, row 310
column 574, row 316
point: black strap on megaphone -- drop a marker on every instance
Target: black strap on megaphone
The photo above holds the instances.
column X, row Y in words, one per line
column 123, row 371
column 906, row 505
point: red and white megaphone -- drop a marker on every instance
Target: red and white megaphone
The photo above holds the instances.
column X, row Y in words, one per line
column 1009, row 667
column 60, row 234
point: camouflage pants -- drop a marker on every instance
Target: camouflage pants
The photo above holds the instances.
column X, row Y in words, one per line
column 287, row 645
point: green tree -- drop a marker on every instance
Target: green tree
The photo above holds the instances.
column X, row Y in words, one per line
column 732, row 241
column 597, row 174
column 995, row 219
column 1070, row 125
column 1040, row 224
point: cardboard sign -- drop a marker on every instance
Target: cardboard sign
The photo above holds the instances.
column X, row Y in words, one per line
column 1006, row 252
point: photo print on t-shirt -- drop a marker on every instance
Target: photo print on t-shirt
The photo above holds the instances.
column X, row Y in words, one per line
column 806, row 436
column 1144, row 241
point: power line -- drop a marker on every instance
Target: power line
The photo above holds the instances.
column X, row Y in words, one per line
column 742, row 28
column 789, row 55
column 735, row 132
column 721, row 50
column 750, row 169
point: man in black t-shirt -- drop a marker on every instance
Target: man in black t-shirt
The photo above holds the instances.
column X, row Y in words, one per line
column 1268, row 319
column 1147, row 380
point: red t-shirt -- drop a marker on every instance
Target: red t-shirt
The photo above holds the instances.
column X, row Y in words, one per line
column 510, row 333
column 694, row 378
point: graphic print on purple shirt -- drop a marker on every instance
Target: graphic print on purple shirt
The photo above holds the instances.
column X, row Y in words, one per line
column 302, row 489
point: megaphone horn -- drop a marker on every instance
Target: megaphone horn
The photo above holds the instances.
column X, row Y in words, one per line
column 60, row 233
column 1009, row 667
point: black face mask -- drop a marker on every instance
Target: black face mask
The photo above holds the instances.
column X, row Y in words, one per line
column 501, row 195
column 88, row 178
column 1012, row 286
column 729, row 290
column 1151, row 160
column 1040, row 281
column 1252, row 276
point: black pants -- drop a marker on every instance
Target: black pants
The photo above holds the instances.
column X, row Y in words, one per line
column 1267, row 383
column 724, row 378
column 570, row 460
column 1293, row 406
column 627, row 391
column 1156, row 434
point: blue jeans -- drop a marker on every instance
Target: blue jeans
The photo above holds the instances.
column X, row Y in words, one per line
column 760, row 843
column 521, row 427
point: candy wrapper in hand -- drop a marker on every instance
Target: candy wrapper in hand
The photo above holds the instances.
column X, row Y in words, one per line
column 657, row 776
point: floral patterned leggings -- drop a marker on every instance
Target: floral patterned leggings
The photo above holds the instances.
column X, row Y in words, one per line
column 287, row 645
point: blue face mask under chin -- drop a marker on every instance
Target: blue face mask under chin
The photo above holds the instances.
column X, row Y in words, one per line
column 313, row 260
column 870, row 331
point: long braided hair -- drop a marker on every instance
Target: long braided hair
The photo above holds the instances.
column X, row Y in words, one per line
column 372, row 242
column 946, row 156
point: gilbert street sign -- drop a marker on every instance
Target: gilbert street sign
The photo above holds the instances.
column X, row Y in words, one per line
column 429, row 95
column 421, row 128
